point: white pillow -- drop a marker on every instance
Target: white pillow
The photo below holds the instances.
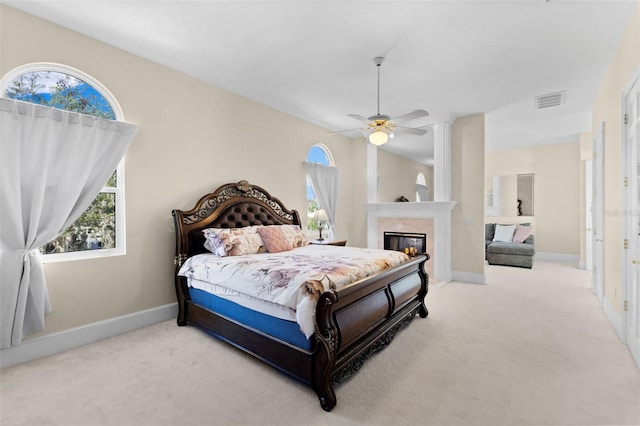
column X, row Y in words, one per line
column 504, row 233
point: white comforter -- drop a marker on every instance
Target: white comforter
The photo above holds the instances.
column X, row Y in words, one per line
column 294, row 278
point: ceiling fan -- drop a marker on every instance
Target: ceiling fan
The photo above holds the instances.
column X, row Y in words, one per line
column 381, row 127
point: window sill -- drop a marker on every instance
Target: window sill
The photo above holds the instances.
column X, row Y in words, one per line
column 82, row 255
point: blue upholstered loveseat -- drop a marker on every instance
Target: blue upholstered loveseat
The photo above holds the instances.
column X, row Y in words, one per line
column 508, row 253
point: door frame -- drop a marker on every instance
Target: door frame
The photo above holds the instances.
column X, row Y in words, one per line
column 628, row 206
column 597, row 280
column 588, row 175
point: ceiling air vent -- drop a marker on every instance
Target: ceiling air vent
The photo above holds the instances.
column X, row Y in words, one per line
column 549, row 100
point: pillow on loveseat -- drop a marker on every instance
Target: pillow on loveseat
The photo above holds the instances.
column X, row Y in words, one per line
column 504, row 233
column 521, row 233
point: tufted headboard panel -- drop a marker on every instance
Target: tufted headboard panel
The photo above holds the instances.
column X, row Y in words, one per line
column 234, row 205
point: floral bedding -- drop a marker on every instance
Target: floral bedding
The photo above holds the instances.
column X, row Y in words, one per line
column 293, row 278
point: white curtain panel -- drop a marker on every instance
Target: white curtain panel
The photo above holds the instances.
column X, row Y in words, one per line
column 324, row 181
column 422, row 191
column 53, row 163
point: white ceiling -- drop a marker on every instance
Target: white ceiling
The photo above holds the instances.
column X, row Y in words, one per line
column 313, row 59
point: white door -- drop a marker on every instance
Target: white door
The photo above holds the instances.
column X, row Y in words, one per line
column 631, row 272
column 589, row 215
column 598, row 213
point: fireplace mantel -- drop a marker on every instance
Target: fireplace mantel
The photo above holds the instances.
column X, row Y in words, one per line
column 439, row 211
column 410, row 209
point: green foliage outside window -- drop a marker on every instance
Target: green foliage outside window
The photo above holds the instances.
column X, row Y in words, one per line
column 60, row 90
column 312, row 206
column 96, row 227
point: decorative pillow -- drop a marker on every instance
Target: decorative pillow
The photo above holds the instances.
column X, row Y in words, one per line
column 279, row 238
column 521, row 233
column 504, row 233
column 233, row 241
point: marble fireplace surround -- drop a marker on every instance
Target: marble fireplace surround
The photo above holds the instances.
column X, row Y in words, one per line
column 430, row 217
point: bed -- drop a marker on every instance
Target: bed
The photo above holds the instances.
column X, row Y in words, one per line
column 348, row 322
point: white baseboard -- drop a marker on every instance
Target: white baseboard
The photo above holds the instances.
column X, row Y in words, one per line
column 613, row 317
column 573, row 259
column 51, row 344
column 469, row 277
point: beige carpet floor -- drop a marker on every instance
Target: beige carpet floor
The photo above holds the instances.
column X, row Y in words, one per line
column 532, row 347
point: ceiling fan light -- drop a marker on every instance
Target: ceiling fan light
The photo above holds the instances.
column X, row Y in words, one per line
column 378, row 137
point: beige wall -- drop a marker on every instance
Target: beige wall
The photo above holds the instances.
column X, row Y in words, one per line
column 398, row 177
column 556, row 169
column 467, row 153
column 607, row 109
column 357, row 223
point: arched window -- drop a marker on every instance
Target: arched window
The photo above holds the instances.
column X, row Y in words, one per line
column 100, row 230
column 318, row 153
column 422, row 189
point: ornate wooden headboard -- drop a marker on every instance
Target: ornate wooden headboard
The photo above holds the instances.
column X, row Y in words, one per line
column 233, row 205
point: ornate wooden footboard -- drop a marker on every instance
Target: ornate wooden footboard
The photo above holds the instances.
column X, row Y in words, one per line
column 352, row 322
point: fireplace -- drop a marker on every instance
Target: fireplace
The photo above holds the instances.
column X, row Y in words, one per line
column 430, row 217
column 410, row 243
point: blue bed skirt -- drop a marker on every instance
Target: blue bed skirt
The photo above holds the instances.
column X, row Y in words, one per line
column 287, row 331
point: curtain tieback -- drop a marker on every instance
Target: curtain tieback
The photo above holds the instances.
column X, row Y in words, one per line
column 25, row 252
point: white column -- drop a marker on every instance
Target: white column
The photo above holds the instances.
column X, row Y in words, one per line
column 442, row 161
column 372, row 194
column 372, row 173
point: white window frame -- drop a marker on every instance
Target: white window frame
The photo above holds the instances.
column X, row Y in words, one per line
column 121, row 244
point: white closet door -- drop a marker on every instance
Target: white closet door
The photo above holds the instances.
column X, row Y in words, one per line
column 631, row 285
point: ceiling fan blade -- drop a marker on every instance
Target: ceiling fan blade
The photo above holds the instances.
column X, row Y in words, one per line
column 359, row 117
column 344, row 131
column 410, row 116
column 410, row 130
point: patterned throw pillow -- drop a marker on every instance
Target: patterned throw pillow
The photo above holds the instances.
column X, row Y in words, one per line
column 279, row 238
column 233, row 241
column 521, row 233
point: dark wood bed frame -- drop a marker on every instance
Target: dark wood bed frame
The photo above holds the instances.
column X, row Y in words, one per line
column 352, row 322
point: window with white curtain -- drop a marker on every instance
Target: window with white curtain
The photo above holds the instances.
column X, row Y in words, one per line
column 318, row 153
column 100, row 230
